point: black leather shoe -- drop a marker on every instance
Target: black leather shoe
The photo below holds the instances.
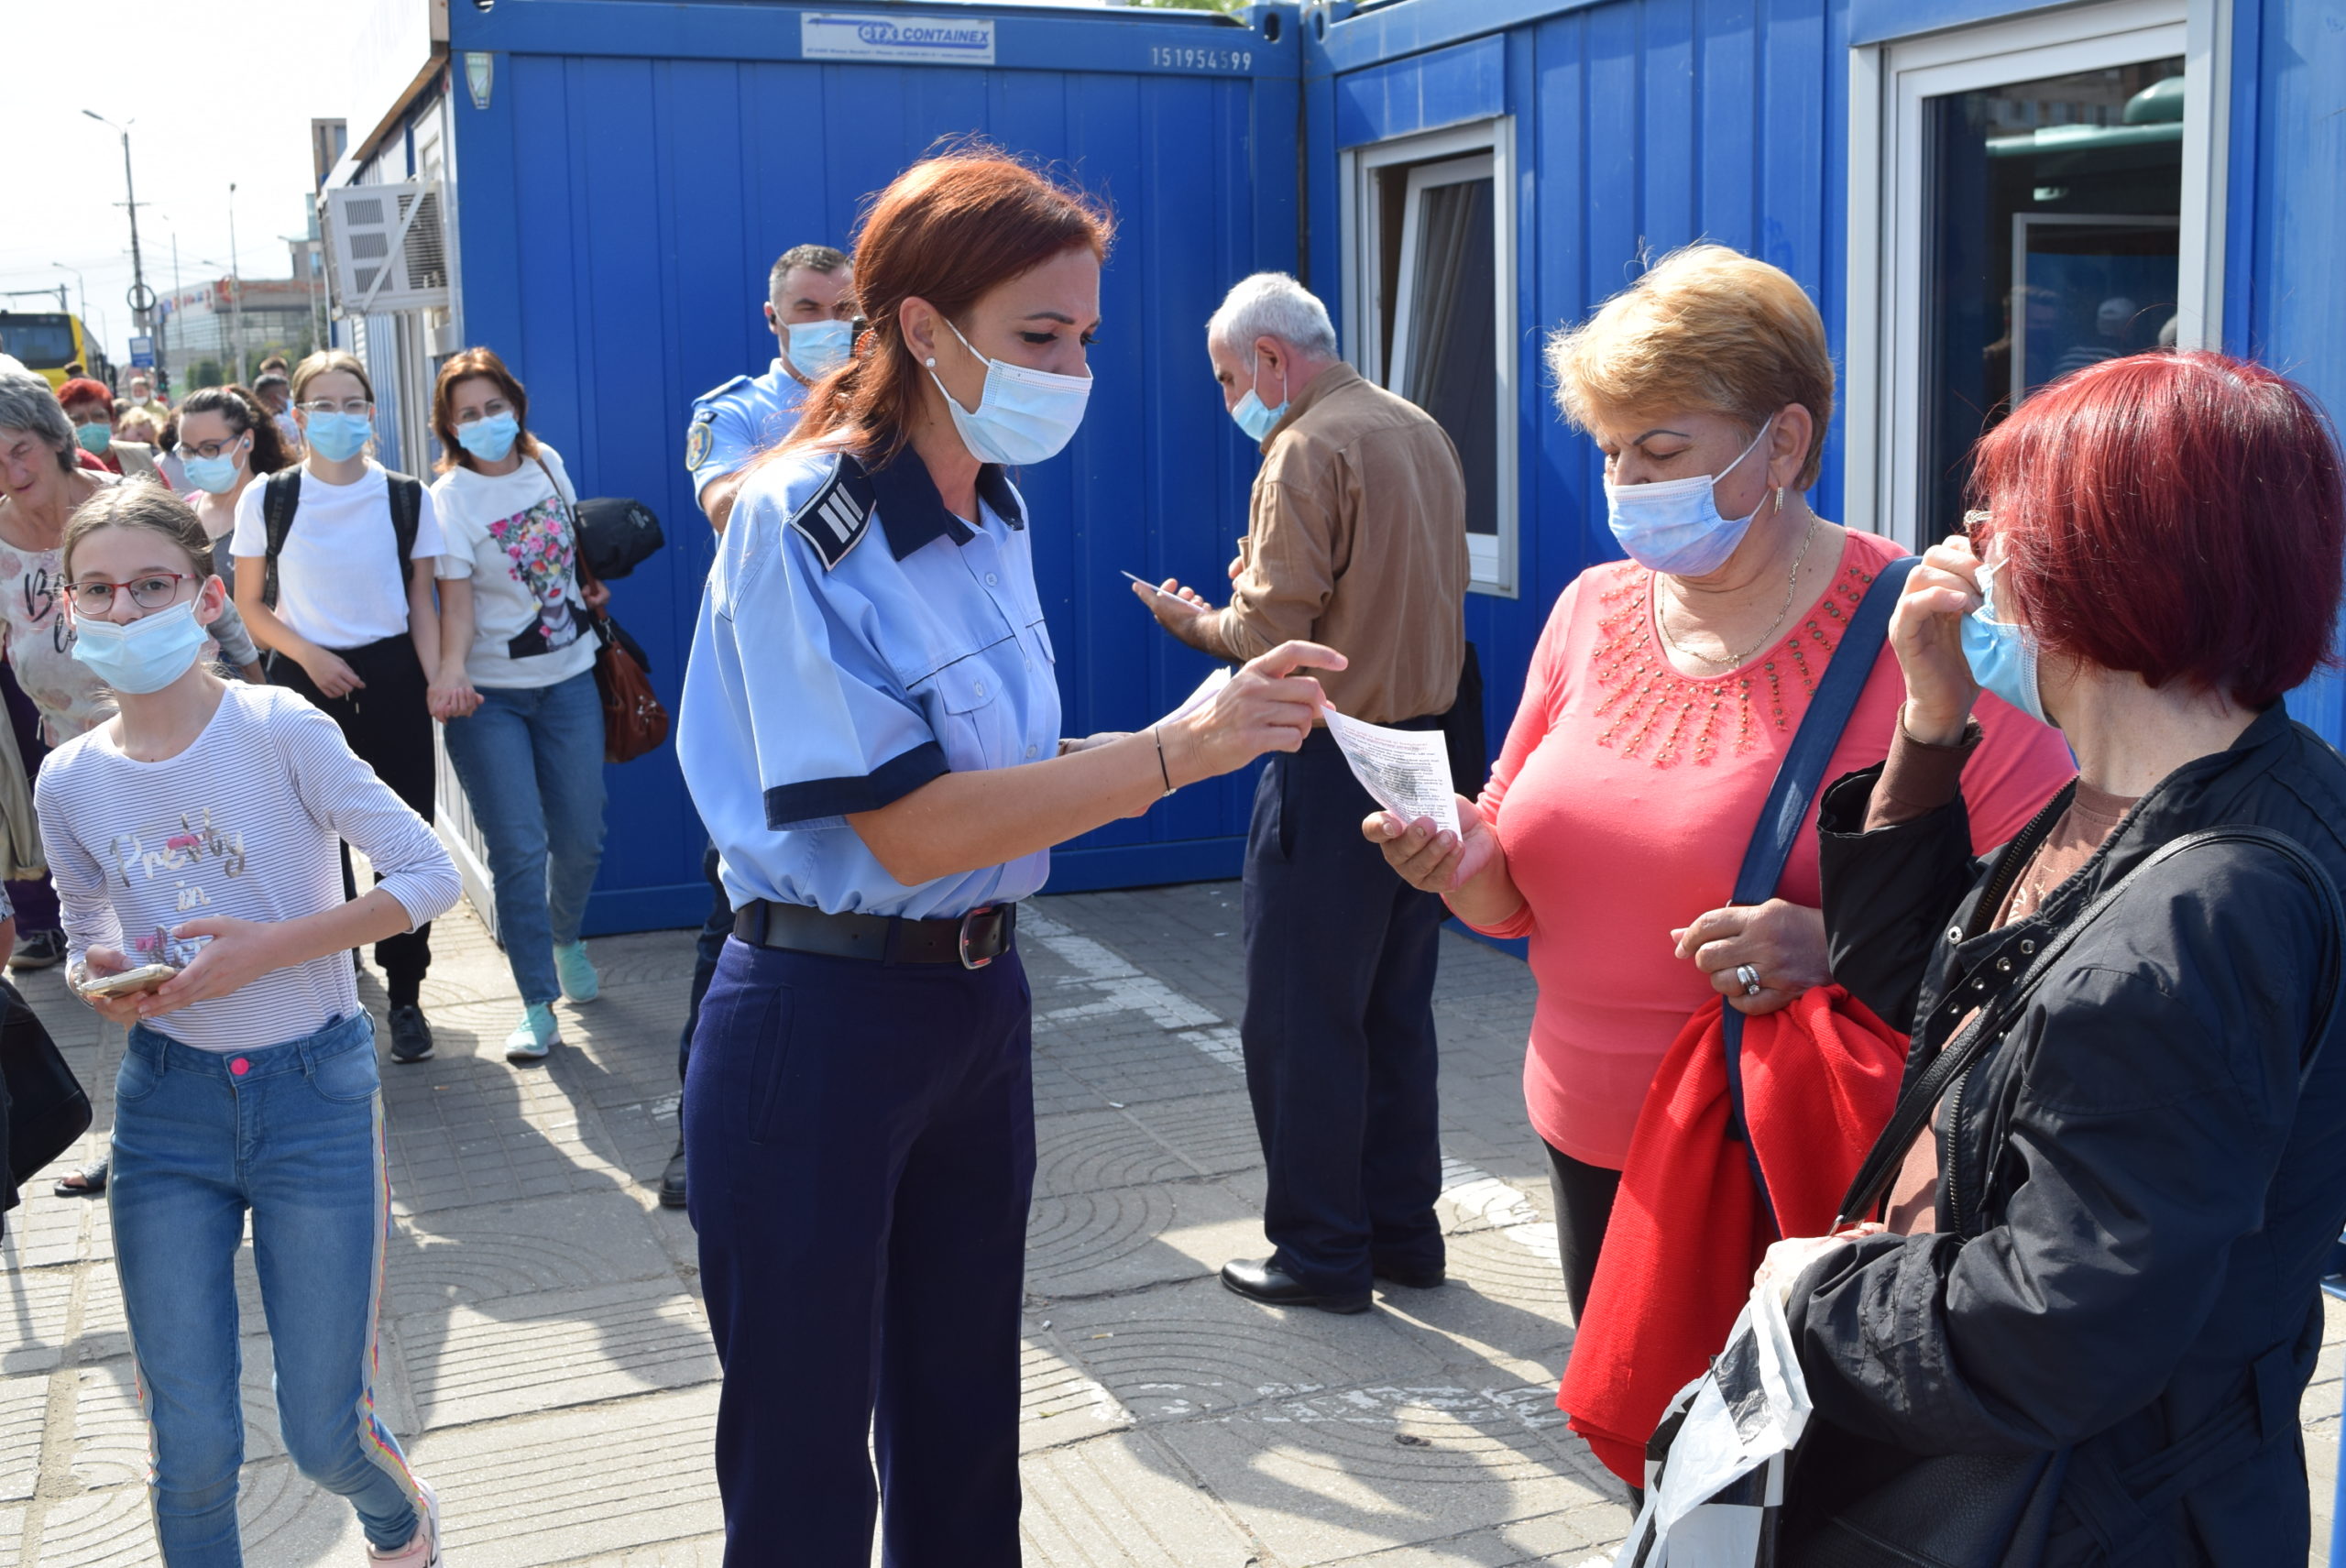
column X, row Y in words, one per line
column 672, row 1181
column 1414, row 1278
column 1262, row 1279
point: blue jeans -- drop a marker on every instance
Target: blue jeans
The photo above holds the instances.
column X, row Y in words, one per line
column 292, row 1133
column 530, row 760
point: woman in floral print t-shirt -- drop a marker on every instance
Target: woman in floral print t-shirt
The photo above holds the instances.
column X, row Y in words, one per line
column 524, row 720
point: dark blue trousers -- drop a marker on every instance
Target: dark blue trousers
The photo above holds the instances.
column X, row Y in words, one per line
column 1338, row 1032
column 861, row 1142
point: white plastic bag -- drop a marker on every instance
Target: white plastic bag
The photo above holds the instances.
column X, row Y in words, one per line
column 1715, row 1470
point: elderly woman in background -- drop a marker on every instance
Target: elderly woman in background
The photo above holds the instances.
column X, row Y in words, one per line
column 1661, row 697
column 41, row 482
column 2112, row 1243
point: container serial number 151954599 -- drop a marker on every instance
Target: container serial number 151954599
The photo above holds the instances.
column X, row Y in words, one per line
column 1166, row 57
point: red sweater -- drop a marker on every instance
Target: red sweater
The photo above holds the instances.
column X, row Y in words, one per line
column 1820, row 1079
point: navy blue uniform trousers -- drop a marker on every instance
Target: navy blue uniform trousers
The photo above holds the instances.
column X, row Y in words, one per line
column 861, row 1142
column 1338, row 1032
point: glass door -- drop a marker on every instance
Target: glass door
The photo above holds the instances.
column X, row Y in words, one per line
column 2053, row 226
column 2026, row 196
column 1444, row 356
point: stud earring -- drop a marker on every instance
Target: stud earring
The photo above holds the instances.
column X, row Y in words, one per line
column 930, row 362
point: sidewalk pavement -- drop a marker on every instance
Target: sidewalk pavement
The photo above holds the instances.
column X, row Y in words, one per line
column 546, row 1359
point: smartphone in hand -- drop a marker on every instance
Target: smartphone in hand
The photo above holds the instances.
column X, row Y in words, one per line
column 129, row 982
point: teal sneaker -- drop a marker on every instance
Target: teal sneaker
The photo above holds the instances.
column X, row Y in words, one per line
column 534, row 1035
column 579, row 981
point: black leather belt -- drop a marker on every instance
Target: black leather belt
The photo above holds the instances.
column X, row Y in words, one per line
column 973, row 941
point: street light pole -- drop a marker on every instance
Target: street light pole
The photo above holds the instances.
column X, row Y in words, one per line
column 142, row 299
column 236, row 292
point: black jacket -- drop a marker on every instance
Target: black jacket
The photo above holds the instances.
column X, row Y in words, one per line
column 2137, row 1201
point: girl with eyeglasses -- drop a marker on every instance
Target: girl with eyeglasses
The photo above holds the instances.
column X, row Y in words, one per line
column 226, row 440
column 334, row 563
column 197, row 830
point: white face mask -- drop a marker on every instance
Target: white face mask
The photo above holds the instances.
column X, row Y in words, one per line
column 1674, row 526
column 1023, row 416
column 818, row 348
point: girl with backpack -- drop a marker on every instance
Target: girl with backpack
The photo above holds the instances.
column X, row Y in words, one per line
column 523, row 718
column 334, row 562
column 196, row 829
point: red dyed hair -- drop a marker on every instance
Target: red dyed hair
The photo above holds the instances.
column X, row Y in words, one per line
column 2179, row 515
column 84, row 390
column 947, row 230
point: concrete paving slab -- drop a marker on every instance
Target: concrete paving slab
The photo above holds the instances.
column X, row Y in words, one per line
column 24, row 1405
column 36, row 1308
column 1122, row 1500
column 1180, row 1350
column 481, row 1253
column 1087, row 1243
column 576, row 1484
column 1058, row 1402
column 518, row 1353
column 1099, row 1151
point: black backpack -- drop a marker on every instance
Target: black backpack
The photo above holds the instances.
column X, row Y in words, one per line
column 281, row 497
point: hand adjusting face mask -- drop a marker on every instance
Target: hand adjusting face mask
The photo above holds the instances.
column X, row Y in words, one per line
column 144, row 656
column 2001, row 653
column 1023, row 416
column 818, row 348
column 1674, row 525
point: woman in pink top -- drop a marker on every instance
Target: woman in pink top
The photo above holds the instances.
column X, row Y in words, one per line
column 1663, row 695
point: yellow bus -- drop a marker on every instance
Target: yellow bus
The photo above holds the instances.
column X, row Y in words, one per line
column 46, row 341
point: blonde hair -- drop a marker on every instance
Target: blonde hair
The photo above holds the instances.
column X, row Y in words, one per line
column 1706, row 328
column 139, row 503
column 325, row 361
column 137, row 425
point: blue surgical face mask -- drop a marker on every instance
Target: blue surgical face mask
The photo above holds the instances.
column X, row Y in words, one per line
column 489, row 439
column 213, row 476
column 2001, row 653
column 1023, row 416
column 818, row 348
column 1674, row 526
column 338, row 437
column 1255, row 417
column 94, row 438
column 144, row 656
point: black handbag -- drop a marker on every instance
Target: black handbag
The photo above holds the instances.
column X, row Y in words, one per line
column 1854, row 1504
column 47, row 1107
column 615, row 534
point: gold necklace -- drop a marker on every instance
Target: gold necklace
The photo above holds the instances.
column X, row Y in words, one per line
column 1791, row 587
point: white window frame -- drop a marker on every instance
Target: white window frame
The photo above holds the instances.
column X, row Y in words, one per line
column 1887, row 180
column 1492, row 558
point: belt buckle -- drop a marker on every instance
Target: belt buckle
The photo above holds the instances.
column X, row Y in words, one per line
column 966, row 961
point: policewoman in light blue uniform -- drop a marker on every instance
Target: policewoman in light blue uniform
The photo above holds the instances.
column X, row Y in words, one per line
column 871, row 729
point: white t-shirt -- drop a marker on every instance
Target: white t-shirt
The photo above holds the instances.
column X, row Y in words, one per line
column 245, row 823
column 511, row 535
column 338, row 580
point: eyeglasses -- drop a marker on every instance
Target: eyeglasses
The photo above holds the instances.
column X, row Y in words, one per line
column 207, row 448
column 347, row 406
column 94, row 598
column 490, row 410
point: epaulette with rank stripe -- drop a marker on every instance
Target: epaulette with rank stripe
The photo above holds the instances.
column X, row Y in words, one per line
column 837, row 516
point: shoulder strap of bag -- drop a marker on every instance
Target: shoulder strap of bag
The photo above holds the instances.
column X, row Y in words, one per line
column 580, row 572
column 281, row 498
column 1798, row 778
column 1915, row 1107
column 406, row 495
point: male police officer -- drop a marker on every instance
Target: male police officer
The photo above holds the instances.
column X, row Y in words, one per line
column 810, row 308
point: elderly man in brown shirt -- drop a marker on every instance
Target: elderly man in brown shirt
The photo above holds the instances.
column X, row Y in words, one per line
column 1356, row 538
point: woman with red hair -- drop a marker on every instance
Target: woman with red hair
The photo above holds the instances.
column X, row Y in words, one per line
column 870, row 731
column 2094, row 1284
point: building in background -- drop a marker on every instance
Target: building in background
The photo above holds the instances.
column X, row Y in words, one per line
column 1977, row 193
column 218, row 331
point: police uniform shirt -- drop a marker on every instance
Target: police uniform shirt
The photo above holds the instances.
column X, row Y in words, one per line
column 855, row 640
column 734, row 423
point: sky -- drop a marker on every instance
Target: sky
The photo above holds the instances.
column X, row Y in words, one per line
column 210, row 96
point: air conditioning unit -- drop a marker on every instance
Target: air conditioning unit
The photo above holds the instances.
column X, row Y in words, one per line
column 389, row 245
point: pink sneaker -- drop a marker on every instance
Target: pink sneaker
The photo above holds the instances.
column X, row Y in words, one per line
column 423, row 1550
